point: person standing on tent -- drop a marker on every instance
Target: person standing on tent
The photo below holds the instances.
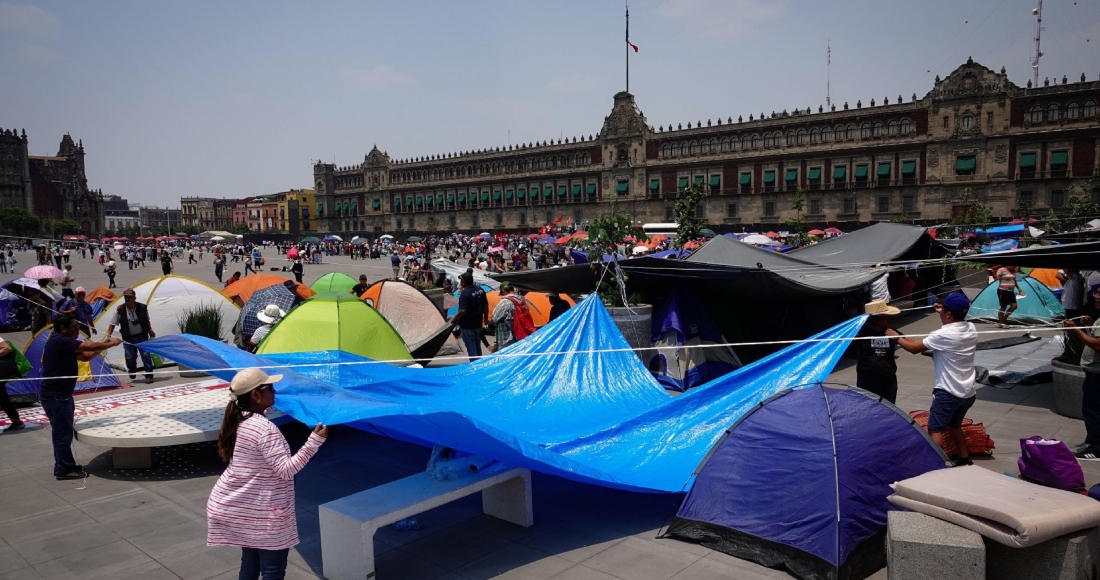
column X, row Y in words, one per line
column 132, row 320
column 473, row 308
column 953, row 346
column 60, row 356
column 876, row 369
column 297, row 270
column 1087, row 330
column 1006, row 293
column 270, row 315
column 81, row 310
column 10, row 369
column 252, row 504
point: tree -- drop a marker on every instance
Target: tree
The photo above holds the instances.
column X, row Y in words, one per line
column 688, row 224
column 1080, row 204
column 58, row 228
column 970, row 213
column 19, row 220
column 605, row 233
column 797, row 224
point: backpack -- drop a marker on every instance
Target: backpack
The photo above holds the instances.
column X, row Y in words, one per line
column 978, row 442
column 522, row 323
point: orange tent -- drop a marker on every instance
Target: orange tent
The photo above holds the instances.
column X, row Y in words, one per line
column 654, row 240
column 1048, row 276
column 537, row 302
column 772, row 235
column 241, row 290
column 101, row 292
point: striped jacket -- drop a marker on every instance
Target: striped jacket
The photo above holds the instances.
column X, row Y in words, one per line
column 252, row 504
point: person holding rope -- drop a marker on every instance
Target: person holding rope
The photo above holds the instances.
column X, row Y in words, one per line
column 252, row 503
column 132, row 320
column 876, row 369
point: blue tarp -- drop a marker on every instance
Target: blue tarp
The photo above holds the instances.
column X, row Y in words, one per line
column 571, row 400
column 802, row 481
column 1038, row 306
column 1008, row 231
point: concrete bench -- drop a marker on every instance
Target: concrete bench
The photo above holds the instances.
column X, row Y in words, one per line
column 348, row 524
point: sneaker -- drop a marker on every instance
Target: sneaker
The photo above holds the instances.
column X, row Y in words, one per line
column 74, row 474
column 148, row 380
column 963, row 461
column 16, row 426
column 133, row 377
column 1089, row 453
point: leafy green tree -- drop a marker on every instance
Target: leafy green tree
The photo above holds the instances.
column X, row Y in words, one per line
column 19, row 220
column 1081, row 204
column 972, row 213
column 688, row 224
column 797, row 224
column 58, row 228
column 605, row 233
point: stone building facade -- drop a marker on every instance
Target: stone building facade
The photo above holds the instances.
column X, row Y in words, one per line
column 51, row 187
column 1013, row 147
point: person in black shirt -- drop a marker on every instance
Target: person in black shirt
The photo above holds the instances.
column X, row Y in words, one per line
column 59, row 371
column 876, row 369
column 361, row 287
column 473, row 307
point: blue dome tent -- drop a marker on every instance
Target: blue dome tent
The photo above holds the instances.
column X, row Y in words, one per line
column 1039, row 306
column 94, row 375
column 801, row 482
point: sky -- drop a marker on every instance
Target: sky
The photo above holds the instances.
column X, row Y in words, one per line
column 233, row 99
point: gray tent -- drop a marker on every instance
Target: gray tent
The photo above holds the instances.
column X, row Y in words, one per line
column 876, row 244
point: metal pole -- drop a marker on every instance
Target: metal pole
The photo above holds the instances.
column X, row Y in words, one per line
column 627, row 47
column 1038, row 36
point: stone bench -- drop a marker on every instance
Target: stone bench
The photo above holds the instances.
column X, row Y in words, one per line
column 348, row 524
column 920, row 546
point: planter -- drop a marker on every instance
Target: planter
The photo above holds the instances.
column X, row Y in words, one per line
column 636, row 325
column 436, row 296
column 1067, row 389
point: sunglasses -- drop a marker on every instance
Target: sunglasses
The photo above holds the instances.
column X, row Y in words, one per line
column 266, row 387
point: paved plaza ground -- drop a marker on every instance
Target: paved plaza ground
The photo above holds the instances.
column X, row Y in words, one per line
column 150, row 524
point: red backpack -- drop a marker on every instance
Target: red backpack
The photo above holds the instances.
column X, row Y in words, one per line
column 522, row 323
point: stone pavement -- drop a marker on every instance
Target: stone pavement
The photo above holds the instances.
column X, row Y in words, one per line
column 150, row 524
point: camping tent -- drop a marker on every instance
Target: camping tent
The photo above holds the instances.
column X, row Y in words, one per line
column 411, row 313
column 241, row 290
column 334, row 282
column 94, row 374
column 281, row 295
column 879, row 243
column 685, row 336
column 454, row 270
column 99, row 298
column 537, row 302
column 818, row 507
column 336, row 321
column 169, row 299
column 1039, row 306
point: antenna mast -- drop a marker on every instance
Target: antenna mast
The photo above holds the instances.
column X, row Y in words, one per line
column 828, row 74
column 1038, row 12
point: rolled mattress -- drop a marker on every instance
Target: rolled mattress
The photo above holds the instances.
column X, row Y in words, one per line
column 1007, row 510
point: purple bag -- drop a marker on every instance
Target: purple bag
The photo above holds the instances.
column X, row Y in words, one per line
column 1050, row 463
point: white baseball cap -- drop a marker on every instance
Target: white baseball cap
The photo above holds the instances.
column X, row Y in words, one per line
column 248, row 380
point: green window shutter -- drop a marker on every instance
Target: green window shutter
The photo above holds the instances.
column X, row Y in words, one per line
column 715, row 180
column 769, row 176
column 376, row 204
column 522, row 193
column 450, row 198
column 791, row 176
column 485, row 196
column 355, row 205
column 682, row 183
column 429, row 201
column 815, row 174
column 534, row 193
column 746, row 178
column 321, row 206
column 965, row 163
column 462, row 198
column 439, row 199
column 548, row 191
column 1027, row 161
column 576, row 189
column 861, row 172
column 508, row 194
column 1059, row 158
column 840, row 171
column 496, row 195
column 396, row 203
column 591, row 189
column 419, row 201
column 654, row 184
column 562, row 190
column 622, row 186
column 883, row 171
column 908, row 168
column 699, row 179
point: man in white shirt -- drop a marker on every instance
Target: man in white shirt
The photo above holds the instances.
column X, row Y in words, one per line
column 269, row 316
column 953, row 346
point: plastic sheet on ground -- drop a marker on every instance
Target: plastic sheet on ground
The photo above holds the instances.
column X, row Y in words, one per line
column 571, row 400
column 1018, row 362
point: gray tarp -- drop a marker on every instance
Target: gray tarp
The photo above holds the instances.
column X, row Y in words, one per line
column 880, row 243
column 1083, row 256
column 1022, row 361
column 454, row 270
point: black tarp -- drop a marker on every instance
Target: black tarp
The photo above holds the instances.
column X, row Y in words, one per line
column 1083, row 256
column 876, row 244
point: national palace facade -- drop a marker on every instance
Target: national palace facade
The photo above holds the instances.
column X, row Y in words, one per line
column 880, row 160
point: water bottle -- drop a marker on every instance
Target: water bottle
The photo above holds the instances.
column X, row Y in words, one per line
column 412, row 523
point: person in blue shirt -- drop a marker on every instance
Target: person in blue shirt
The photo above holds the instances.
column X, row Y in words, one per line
column 81, row 310
column 59, row 372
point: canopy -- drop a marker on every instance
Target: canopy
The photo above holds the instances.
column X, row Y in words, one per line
column 335, row 321
column 242, row 290
column 411, row 313
column 818, row 507
column 880, row 243
column 571, row 400
column 334, row 282
column 94, row 374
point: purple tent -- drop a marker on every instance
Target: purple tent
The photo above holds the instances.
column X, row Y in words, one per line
column 685, row 334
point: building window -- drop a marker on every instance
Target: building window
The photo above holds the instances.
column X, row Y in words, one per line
column 883, row 204
column 1027, row 165
column 1072, row 111
column 865, row 131
column 715, row 184
column 1052, row 112
column 499, row 219
column 746, row 143
column 1057, row 198
column 906, row 126
column 756, row 141
column 522, row 218
column 876, row 130
column 704, row 147
column 825, row 135
column 669, row 212
column 399, row 224
column 1037, row 114
column 1089, row 109
column 815, row 206
column 965, row 164
column 800, row 137
column 893, row 128
column 946, row 122
column 577, row 216
column 861, row 174
column 849, row 206
column 1025, row 200
column 452, row 220
column 989, row 121
column 731, row 209
column 908, row 204
column 412, row 223
column 815, row 136
column 769, row 209
column 790, row 138
column 850, row 132
column 814, row 177
column 745, row 182
column 474, row 220
column 768, row 141
column 1059, row 161
column 967, row 122
column 838, row 134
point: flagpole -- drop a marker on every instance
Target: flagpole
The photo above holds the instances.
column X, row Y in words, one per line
column 627, row 47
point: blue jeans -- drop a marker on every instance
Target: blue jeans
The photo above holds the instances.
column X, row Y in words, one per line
column 265, row 564
column 60, row 411
column 131, row 353
column 471, row 337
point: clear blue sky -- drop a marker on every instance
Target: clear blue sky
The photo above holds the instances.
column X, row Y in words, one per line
column 232, row 99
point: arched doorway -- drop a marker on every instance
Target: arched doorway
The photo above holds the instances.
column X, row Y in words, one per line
column 86, row 227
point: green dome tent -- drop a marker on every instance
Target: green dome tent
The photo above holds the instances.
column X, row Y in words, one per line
column 334, row 282
column 335, row 321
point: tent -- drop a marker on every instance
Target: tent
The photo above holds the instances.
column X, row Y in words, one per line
column 241, row 290
column 1038, row 306
column 169, row 299
column 1080, row 256
column 281, row 295
column 537, row 302
column 680, row 324
column 94, row 374
column 99, row 298
column 336, row 321
column 411, row 313
column 880, row 243
column 453, row 271
column 334, row 282
column 800, row 482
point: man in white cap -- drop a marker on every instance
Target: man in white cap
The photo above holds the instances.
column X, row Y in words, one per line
column 876, row 369
column 268, row 316
column 81, row 310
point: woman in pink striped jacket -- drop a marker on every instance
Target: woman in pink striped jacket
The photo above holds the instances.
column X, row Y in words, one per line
column 252, row 504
